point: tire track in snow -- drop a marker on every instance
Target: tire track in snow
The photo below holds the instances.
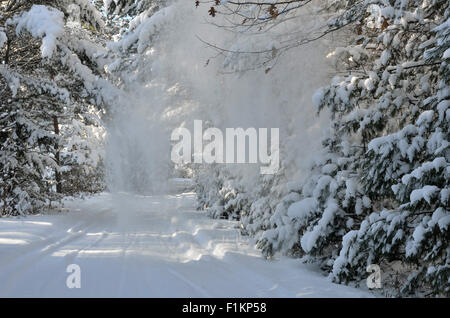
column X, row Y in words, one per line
column 163, row 248
column 124, row 262
column 31, row 260
column 41, row 250
column 189, row 282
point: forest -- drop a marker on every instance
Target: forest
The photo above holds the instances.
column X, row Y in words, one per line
column 349, row 99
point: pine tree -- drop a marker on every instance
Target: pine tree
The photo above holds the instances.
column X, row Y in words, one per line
column 50, row 82
column 378, row 192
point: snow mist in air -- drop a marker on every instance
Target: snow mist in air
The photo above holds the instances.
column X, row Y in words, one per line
column 179, row 79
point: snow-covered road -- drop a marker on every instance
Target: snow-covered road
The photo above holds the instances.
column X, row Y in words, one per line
column 146, row 246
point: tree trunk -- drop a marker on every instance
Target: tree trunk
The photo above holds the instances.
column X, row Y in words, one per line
column 8, row 48
column 57, row 173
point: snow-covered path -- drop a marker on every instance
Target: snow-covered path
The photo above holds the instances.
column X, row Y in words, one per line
column 145, row 246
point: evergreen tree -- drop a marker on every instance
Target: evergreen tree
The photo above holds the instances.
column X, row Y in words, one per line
column 51, row 92
column 378, row 192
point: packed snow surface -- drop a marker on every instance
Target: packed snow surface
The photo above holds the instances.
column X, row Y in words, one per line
column 146, row 246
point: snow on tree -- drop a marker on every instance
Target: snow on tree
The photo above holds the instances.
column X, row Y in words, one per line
column 129, row 7
column 378, row 192
column 405, row 170
column 51, row 98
